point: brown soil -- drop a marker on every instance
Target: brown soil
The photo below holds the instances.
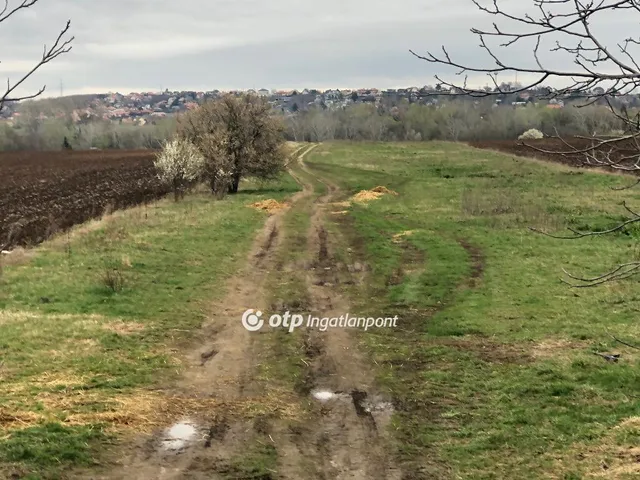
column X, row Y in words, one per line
column 559, row 151
column 42, row 193
column 477, row 262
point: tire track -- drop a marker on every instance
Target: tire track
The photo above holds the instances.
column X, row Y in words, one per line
column 220, row 366
column 347, row 439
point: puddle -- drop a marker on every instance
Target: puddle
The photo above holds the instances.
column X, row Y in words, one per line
column 179, row 436
column 367, row 406
column 364, row 406
column 379, row 411
column 370, row 407
column 323, row 395
column 326, row 395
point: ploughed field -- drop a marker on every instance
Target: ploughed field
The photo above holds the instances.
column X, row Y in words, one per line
column 45, row 192
column 559, row 151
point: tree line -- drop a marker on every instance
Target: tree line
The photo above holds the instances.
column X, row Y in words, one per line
column 455, row 120
column 50, row 134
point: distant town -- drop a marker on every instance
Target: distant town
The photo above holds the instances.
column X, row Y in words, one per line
column 141, row 108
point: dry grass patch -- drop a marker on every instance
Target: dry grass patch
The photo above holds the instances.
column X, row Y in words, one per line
column 80, row 346
column 81, row 320
column 16, row 316
column 17, row 256
column 140, row 411
column 11, row 420
column 364, row 196
column 383, row 190
column 270, row 205
column 111, row 220
column 124, row 328
column 398, row 237
column 45, row 381
column 557, row 348
column 53, row 380
column 487, row 350
column 615, row 456
column 126, row 261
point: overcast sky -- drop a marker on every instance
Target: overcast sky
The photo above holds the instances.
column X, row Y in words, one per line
column 142, row 45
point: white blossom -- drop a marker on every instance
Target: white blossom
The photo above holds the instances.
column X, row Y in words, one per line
column 179, row 162
column 531, row 134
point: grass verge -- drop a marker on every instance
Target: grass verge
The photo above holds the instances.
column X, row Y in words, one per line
column 492, row 368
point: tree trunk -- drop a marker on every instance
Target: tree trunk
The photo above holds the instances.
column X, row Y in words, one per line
column 235, row 183
column 176, row 190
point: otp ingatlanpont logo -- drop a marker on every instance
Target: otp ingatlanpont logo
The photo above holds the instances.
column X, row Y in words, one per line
column 252, row 321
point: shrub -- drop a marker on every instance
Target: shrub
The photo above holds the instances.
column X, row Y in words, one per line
column 531, row 134
column 112, row 279
column 180, row 165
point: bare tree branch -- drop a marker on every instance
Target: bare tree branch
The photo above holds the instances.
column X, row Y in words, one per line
column 60, row 46
column 576, row 24
column 8, row 12
column 621, row 272
column 600, row 72
column 627, row 187
column 625, row 343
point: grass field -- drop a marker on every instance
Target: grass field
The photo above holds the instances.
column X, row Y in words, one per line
column 491, row 370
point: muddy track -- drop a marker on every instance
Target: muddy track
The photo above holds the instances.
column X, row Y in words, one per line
column 346, row 440
column 220, row 367
column 343, row 437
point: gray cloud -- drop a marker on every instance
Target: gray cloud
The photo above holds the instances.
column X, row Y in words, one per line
column 133, row 45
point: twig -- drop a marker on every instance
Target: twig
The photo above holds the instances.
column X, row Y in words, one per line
column 625, row 343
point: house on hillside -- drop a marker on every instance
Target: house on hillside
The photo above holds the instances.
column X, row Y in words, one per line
column 555, row 103
column 332, row 94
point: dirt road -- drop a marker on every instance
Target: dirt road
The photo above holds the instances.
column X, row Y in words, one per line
column 340, row 425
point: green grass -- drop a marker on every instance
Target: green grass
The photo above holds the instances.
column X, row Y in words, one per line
column 494, row 378
column 259, row 460
column 75, row 350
